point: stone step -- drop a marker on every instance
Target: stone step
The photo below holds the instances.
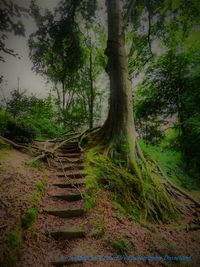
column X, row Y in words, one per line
column 63, row 261
column 72, row 167
column 72, row 175
column 69, row 197
column 69, row 184
column 68, row 233
column 68, row 151
column 69, row 155
column 70, row 160
column 77, row 149
column 70, row 144
column 65, row 213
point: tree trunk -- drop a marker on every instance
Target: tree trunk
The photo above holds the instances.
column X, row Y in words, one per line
column 63, row 95
column 91, row 101
column 63, row 103
column 119, row 128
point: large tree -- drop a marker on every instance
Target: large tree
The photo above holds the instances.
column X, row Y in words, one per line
column 119, row 128
column 118, row 135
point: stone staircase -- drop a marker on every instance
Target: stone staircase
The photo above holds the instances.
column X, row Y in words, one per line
column 70, row 168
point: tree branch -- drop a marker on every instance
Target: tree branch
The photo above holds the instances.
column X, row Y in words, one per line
column 149, row 26
column 128, row 13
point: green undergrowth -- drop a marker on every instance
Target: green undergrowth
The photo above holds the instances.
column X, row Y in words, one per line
column 14, row 238
column 99, row 226
column 171, row 163
column 39, row 190
column 29, row 217
column 38, row 164
column 138, row 200
column 4, row 147
column 121, row 245
column 13, row 243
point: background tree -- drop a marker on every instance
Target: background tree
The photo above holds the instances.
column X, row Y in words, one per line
column 170, row 89
column 9, row 22
column 55, row 51
column 60, row 51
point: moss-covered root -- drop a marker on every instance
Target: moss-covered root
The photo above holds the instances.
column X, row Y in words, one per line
column 144, row 199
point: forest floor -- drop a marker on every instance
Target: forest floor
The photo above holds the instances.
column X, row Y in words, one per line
column 106, row 232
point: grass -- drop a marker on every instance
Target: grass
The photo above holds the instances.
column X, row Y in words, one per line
column 40, row 187
column 4, row 147
column 36, row 164
column 29, row 218
column 92, row 192
column 171, row 162
column 13, row 241
column 122, row 247
column 99, row 225
column 35, row 199
column 30, row 150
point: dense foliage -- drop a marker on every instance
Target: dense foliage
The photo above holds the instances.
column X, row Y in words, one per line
column 27, row 117
column 170, row 89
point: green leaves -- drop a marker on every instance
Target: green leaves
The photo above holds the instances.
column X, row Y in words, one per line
column 171, row 88
column 55, row 46
column 154, row 24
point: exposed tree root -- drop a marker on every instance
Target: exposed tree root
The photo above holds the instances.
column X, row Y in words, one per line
column 146, row 192
column 45, row 154
column 153, row 192
column 22, row 147
column 176, row 188
column 15, row 145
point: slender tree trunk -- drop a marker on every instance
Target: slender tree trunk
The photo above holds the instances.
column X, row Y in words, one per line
column 91, row 101
column 182, row 130
column 63, row 95
column 63, row 102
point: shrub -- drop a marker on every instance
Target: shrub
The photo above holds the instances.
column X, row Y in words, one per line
column 29, row 218
column 13, row 241
column 4, row 118
column 122, row 247
column 40, row 187
column 19, row 131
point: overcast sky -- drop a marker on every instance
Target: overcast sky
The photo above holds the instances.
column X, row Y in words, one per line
column 14, row 67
